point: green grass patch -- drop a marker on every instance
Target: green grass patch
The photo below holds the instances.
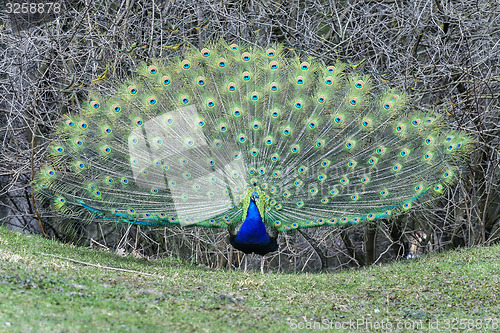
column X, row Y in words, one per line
column 41, row 291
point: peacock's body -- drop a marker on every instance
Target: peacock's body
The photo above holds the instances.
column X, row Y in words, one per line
column 248, row 140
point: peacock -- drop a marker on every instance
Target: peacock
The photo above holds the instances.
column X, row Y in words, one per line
column 254, row 140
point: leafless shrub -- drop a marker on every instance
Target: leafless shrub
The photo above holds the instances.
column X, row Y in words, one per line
column 444, row 53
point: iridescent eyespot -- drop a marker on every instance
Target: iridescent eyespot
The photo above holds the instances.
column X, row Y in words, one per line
column 200, row 80
column 384, row 193
column 184, row 100
column 138, row 122
column 397, row 167
column 255, row 96
column 236, row 112
column 286, row 131
column 205, row 52
column 210, row 103
column 152, row 70
column 330, row 69
column 366, row 123
column 400, row 128
column 404, row 152
column 359, row 84
column 242, row 138
column 298, row 104
column 70, row 123
column 428, row 156
column 223, row 127
column 294, row 149
column 415, row 122
column 270, row 52
column 299, row 80
column 245, row 56
column 338, row 119
column 132, row 90
column 222, row 62
column 274, row 86
column 429, row 140
column 274, row 113
column 349, row 144
column 152, row 100
column 321, row 99
column 354, row 101
column 246, row 76
column 231, row 86
column 304, row 66
column 82, row 125
column 394, row 98
column 273, row 65
column 329, row 80
column 95, row 105
column 186, row 64
column 233, row 47
column 387, row 105
column 320, row 143
column 166, row 80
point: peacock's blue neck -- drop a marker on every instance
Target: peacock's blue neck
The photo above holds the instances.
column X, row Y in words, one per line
column 253, row 229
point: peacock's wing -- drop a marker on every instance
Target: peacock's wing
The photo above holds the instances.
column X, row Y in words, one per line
column 186, row 140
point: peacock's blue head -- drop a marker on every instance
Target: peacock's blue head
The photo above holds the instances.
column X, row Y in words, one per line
column 254, row 197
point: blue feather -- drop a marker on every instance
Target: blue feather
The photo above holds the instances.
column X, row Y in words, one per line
column 253, row 229
column 253, row 236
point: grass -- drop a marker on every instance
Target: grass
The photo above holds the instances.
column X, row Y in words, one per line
column 40, row 291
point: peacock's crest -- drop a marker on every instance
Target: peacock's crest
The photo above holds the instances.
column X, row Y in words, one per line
column 188, row 140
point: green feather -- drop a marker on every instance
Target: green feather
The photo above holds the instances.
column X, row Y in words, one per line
column 186, row 141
